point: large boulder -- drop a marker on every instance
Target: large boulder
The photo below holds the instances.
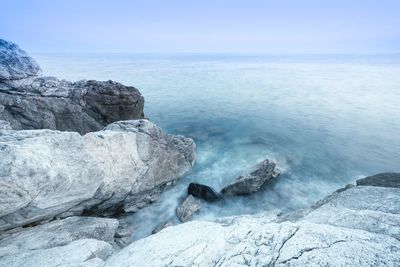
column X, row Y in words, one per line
column 358, row 226
column 15, row 63
column 84, row 106
column 28, row 101
column 252, row 180
column 46, row 174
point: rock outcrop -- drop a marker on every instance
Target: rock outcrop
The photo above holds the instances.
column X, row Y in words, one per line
column 46, row 174
column 253, row 180
column 189, row 207
column 75, row 241
column 356, row 226
column 16, row 64
column 28, row 101
column 387, row 179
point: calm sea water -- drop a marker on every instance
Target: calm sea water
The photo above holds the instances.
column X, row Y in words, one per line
column 326, row 119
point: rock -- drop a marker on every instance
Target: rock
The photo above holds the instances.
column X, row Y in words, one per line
column 46, row 174
column 60, row 233
column 204, row 192
column 124, row 232
column 358, row 226
column 84, row 106
column 387, row 179
column 253, row 180
column 31, row 102
column 188, row 208
column 84, row 252
column 163, row 226
column 15, row 63
column 4, row 125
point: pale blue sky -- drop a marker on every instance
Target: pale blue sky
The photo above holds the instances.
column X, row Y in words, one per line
column 247, row 26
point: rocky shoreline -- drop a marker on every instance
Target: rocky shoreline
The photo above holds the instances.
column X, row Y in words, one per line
column 76, row 157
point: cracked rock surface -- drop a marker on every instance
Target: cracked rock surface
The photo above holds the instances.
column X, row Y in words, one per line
column 357, row 226
column 46, row 174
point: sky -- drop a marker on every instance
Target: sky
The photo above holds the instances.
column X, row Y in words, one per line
column 227, row 26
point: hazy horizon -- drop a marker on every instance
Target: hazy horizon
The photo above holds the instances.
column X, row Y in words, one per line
column 176, row 26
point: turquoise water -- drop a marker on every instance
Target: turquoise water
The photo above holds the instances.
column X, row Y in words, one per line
column 326, row 119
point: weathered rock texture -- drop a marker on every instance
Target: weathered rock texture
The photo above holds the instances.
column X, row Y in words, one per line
column 253, row 180
column 387, row 179
column 358, row 226
column 15, row 63
column 188, row 208
column 46, row 174
column 31, row 102
column 75, row 241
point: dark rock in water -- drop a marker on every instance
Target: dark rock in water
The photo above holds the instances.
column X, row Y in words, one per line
column 253, row 180
column 15, row 63
column 188, row 208
column 31, row 102
column 387, row 179
column 163, row 226
column 204, row 192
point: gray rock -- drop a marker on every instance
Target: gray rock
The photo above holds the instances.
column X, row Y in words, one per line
column 124, row 231
column 358, row 226
column 31, row 102
column 387, row 179
column 60, row 233
column 46, row 174
column 78, row 253
column 253, row 180
column 15, row 63
column 84, row 106
column 188, row 208
column 4, row 125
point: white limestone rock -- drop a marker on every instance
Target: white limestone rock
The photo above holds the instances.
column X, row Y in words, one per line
column 84, row 252
column 59, row 233
column 358, row 226
column 46, row 174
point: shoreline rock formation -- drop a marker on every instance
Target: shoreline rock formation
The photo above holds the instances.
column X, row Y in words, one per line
column 46, row 174
column 28, row 101
column 355, row 226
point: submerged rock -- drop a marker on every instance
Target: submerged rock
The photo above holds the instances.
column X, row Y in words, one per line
column 253, row 180
column 358, row 226
column 31, row 102
column 45, row 173
column 188, row 208
column 204, row 192
column 387, row 179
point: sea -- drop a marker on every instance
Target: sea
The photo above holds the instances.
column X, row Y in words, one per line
column 326, row 119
